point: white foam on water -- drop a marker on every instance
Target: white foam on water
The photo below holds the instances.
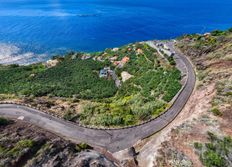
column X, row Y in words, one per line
column 11, row 54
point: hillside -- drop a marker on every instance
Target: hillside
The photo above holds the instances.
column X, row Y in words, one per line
column 71, row 77
column 202, row 134
column 118, row 87
column 139, row 84
column 22, row 144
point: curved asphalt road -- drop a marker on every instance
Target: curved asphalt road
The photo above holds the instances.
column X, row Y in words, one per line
column 112, row 140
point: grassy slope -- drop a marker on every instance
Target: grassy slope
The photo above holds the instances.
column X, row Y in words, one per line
column 154, row 83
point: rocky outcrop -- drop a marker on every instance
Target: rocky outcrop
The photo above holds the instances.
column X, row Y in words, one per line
column 22, row 144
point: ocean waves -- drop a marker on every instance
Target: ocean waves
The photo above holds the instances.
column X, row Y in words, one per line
column 12, row 54
column 50, row 27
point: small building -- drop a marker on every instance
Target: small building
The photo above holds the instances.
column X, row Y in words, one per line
column 103, row 73
column 112, row 59
column 86, row 56
column 125, row 59
column 100, row 59
column 139, row 51
column 116, row 63
column 207, row 34
column 74, row 56
column 166, row 47
column 125, row 76
column 107, row 68
column 168, row 53
column 51, row 63
column 159, row 44
column 115, row 49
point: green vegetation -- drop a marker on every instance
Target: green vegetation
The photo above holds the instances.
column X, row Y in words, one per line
column 215, row 153
column 140, row 98
column 216, row 111
column 169, row 58
column 224, row 92
column 147, row 94
column 202, row 74
column 82, row 146
column 198, row 146
column 70, row 115
column 17, row 149
column 4, row 121
column 69, row 78
column 20, row 146
column 203, row 44
column 218, row 33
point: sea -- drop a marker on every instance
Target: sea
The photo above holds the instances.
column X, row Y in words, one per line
column 36, row 30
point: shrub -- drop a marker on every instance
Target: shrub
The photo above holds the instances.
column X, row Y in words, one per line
column 217, row 152
column 198, row 146
column 216, row 111
column 20, row 146
column 217, row 33
column 171, row 60
column 230, row 30
column 82, row 146
column 4, row 121
column 70, row 115
column 211, row 158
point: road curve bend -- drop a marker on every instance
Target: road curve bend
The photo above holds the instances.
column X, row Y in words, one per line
column 112, row 140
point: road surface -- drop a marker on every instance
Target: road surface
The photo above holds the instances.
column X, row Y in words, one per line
column 112, row 140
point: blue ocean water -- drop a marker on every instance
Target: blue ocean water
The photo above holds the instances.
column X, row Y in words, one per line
column 52, row 26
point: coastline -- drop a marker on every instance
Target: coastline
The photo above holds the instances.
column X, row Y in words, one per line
column 12, row 54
